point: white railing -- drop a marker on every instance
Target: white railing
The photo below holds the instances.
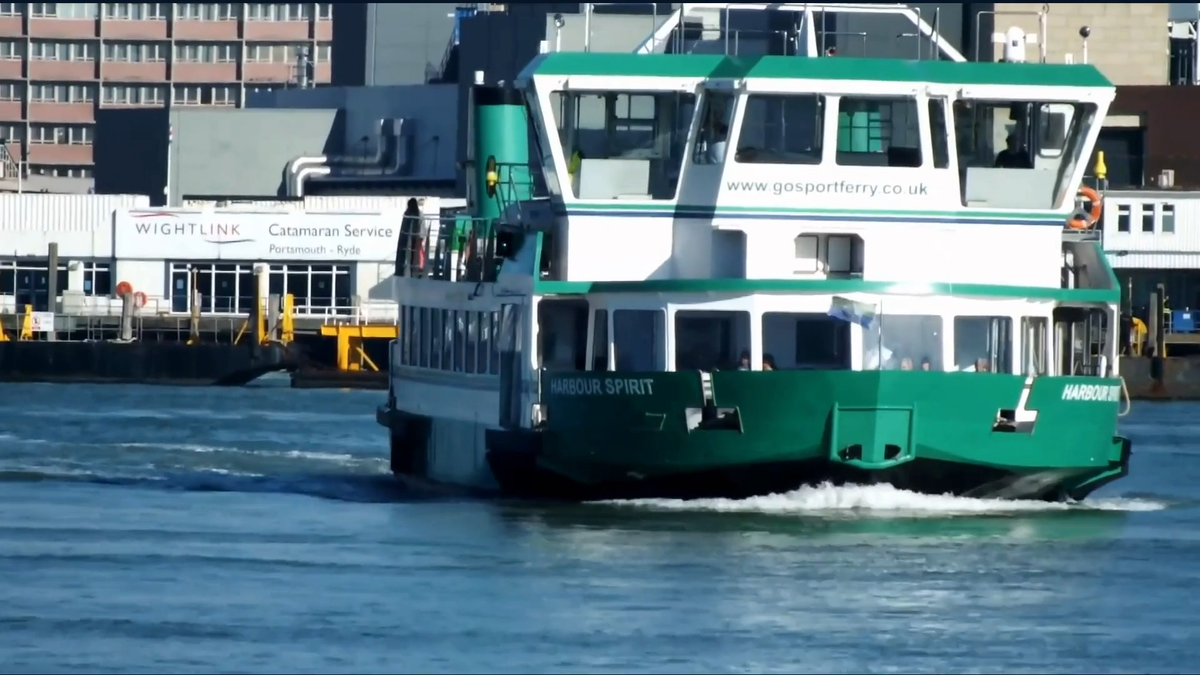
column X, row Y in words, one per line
column 104, row 306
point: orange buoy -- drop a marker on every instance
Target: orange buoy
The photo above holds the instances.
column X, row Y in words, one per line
column 123, row 288
column 139, row 299
column 1093, row 215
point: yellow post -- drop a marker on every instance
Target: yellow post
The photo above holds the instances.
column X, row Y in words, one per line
column 27, row 324
column 287, row 324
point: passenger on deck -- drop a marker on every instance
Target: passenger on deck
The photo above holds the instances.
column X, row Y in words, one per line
column 926, row 364
column 1013, row 156
column 769, row 362
column 408, row 247
column 906, row 363
column 981, row 365
column 744, row 361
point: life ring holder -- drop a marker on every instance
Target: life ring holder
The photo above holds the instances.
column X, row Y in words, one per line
column 1081, row 220
column 124, row 288
column 139, row 300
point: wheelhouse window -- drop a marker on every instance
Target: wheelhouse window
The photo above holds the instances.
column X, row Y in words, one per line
column 793, row 341
column 903, row 342
column 541, row 140
column 712, row 340
column 1034, row 336
column 1019, row 154
column 878, row 131
column 713, row 138
column 983, row 344
column 781, row 129
column 623, row 145
column 562, row 334
column 638, row 340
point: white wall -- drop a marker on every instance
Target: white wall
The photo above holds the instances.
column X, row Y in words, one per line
column 1152, row 229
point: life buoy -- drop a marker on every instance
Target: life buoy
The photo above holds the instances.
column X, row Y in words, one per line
column 123, row 288
column 1088, row 220
column 139, row 299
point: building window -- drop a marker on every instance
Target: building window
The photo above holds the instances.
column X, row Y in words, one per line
column 324, row 52
column 1168, row 218
column 183, row 94
column 276, row 53
column 28, row 281
column 205, row 11
column 12, row 50
column 11, row 91
column 1124, row 216
column 11, row 8
column 135, row 11
column 224, row 288
column 277, row 11
column 224, row 94
column 207, row 94
column 97, row 278
column 316, row 289
column 61, row 93
column 135, row 52
column 200, row 52
column 53, row 50
column 124, row 94
column 1147, row 218
column 10, row 131
column 63, row 10
column 324, row 10
column 61, row 134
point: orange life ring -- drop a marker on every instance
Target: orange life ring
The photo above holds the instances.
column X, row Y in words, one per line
column 139, row 299
column 1093, row 216
column 123, row 288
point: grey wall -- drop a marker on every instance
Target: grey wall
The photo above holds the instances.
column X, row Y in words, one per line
column 430, row 107
column 389, row 44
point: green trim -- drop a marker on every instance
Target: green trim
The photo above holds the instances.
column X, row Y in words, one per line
column 709, row 66
column 824, row 286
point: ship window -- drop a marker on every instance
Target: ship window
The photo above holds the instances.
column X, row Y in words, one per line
column 711, row 340
column 983, row 344
column 1034, row 332
column 426, row 335
column 494, row 364
column 623, row 145
column 1168, row 218
column 939, row 135
column 903, row 342
column 1147, row 218
column 781, row 129
column 638, row 339
column 600, row 340
column 878, row 132
column 1019, row 154
column 1124, row 215
column 437, row 321
column 541, row 142
column 805, row 341
column 562, row 334
column 713, row 137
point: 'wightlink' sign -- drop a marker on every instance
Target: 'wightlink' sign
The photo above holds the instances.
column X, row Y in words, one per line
column 256, row 235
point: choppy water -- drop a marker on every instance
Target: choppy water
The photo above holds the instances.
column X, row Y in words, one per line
column 156, row 530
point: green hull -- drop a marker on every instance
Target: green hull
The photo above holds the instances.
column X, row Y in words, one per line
column 619, row 434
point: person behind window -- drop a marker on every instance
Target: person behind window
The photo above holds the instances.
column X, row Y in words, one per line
column 769, row 362
column 906, row 363
column 720, row 138
column 744, row 361
column 926, row 364
column 981, row 365
column 408, row 248
column 1013, row 156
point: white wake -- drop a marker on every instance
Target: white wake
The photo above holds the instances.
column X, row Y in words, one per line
column 882, row 501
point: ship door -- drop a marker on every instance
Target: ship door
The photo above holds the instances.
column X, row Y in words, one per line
column 511, row 366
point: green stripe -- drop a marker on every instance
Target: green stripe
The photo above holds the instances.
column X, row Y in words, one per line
column 826, row 286
column 709, row 66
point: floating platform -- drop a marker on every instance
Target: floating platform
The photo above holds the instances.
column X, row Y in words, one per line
column 330, row 378
column 174, row 363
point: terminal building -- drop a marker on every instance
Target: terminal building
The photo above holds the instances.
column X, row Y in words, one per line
column 309, row 182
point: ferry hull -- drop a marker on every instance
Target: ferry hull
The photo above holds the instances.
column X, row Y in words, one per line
column 766, row 433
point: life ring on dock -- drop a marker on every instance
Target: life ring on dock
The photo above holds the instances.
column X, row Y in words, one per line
column 123, row 288
column 1085, row 221
column 139, row 299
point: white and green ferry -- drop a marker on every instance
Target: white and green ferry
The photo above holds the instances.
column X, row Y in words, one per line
column 754, row 273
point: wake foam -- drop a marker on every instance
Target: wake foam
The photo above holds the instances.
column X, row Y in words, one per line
column 882, row 501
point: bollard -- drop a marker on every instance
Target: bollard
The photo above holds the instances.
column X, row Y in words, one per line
column 273, row 317
column 126, row 318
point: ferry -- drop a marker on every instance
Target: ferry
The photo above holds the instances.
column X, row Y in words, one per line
column 703, row 275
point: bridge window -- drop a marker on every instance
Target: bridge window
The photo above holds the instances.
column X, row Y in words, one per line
column 562, row 334
column 1034, row 346
column 805, row 341
column 638, row 339
column 713, row 137
column 712, row 340
column 1019, row 154
column 939, row 133
column 882, row 131
column 781, row 129
column 623, row 145
column 983, row 344
column 902, row 342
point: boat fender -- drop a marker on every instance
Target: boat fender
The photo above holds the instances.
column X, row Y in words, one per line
column 1085, row 220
